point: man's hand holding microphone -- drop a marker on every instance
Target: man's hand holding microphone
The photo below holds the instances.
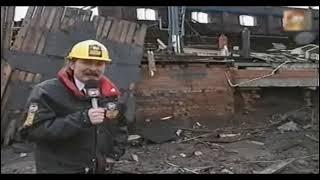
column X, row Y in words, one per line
column 97, row 114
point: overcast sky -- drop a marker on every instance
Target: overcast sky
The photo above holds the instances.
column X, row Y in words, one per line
column 22, row 10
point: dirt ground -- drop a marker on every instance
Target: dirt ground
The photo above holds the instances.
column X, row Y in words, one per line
column 257, row 146
column 277, row 135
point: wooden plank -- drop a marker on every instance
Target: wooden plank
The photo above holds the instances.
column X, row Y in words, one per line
column 106, row 29
column 101, row 22
column 67, row 22
column 57, row 20
column 5, row 75
column 130, row 34
column 37, row 78
column 4, row 101
column 6, row 95
column 29, row 42
column 76, row 15
column 29, row 77
column 84, row 15
column 88, row 16
column 8, row 24
column 151, row 63
column 47, row 27
column 64, row 23
column 15, row 75
column 22, row 75
column 3, row 10
column 114, row 29
column 118, row 32
column 95, row 21
column 3, row 113
column 71, row 22
column 140, row 35
column 124, row 31
column 40, row 27
column 10, row 131
column 24, row 29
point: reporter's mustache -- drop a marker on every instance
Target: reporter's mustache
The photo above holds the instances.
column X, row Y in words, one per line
column 91, row 73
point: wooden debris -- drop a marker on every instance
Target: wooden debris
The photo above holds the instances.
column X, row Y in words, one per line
column 37, row 25
column 218, row 140
column 178, row 132
column 165, row 118
column 131, row 30
column 200, row 136
column 228, row 135
column 185, row 169
column 183, row 155
column 198, row 153
column 139, row 38
column 275, row 167
column 133, row 137
column 7, row 21
column 312, row 138
column 287, row 147
column 5, row 74
column 10, row 132
column 226, row 171
column 257, row 142
column 135, row 157
column 151, row 63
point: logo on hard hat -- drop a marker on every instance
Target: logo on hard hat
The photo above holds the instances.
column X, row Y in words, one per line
column 95, row 51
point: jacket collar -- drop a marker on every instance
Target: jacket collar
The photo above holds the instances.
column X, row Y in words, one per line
column 107, row 88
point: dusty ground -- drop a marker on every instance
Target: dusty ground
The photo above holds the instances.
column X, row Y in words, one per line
column 259, row 146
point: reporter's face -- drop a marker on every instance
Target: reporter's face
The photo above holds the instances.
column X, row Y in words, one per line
column 88, row 69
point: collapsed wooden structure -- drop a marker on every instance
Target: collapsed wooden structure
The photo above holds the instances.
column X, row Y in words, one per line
column 44, row 39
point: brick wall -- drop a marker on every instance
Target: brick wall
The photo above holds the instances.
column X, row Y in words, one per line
column 195, row 92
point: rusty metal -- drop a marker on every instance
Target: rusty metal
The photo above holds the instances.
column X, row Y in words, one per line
column 254, row 79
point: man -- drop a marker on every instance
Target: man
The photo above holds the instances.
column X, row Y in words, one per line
column 70, row 135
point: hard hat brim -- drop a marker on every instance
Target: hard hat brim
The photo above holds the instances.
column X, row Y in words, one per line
column 89, row 58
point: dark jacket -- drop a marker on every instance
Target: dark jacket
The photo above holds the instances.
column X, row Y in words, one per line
column 62, row 131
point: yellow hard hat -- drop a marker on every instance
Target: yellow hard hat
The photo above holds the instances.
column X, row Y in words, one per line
column 89, row 49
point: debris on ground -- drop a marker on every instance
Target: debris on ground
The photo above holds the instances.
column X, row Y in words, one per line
column 279, row 46
column 183, row 155
column 228, row 135
column 312, row 138
column 275, row 167
column 135, row 157
column 198, row 153
column 134, row 140
column 226, row 171
column 158, row 132
column 166, row 118
column 179, row 131
column 133, row 137
column 23, row 155
column 290, row 126
column 252, row 148
column 257, row 142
